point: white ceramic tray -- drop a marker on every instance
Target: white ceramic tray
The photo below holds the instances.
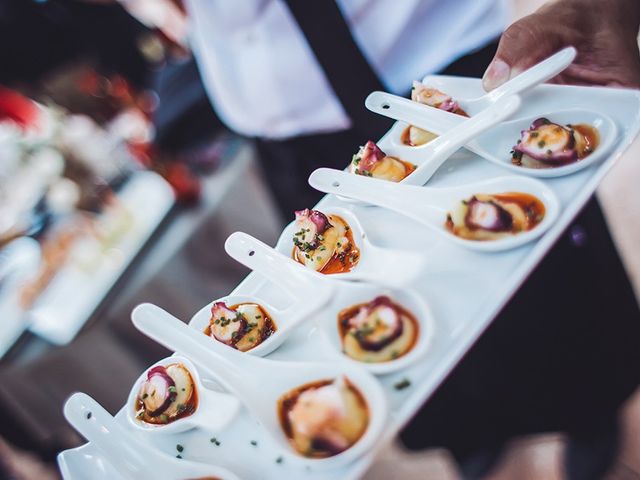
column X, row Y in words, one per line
column 488, row 280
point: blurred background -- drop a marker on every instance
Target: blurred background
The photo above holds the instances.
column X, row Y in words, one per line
column 118, row 185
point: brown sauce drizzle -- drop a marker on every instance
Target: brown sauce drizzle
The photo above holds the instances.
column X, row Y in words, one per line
column 591, row 136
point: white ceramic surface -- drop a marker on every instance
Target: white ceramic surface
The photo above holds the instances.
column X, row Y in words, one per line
column 243, row 374
column 127, row 455
column 486, row 282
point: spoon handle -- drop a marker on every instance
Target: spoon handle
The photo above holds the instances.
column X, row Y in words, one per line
column 405, row 110
column 285, row 272
column 449, row 142
column 232, row 368
column 419, row 203
column 537, row 74
column 94, row 423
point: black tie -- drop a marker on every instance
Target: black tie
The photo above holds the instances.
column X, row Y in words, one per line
column 345, row 67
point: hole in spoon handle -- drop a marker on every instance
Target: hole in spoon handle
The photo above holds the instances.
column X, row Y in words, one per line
column 94, row 423
column 278, row 268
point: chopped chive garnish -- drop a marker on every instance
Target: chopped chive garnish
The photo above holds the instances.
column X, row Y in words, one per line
column 402, row 384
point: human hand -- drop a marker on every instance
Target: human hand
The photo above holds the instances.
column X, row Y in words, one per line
column 605, row 33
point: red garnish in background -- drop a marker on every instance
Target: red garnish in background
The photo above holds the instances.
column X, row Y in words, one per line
column 18, row 108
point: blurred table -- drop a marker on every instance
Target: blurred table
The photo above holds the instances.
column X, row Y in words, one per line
column 77, row 289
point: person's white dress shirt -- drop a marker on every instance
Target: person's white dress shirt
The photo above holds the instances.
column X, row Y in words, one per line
column 263, row 79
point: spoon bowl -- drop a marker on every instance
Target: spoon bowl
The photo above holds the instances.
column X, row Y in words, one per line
column 383, row 266
column 305, row 288
column 429, row 206
column 126, row 453
column 361, row 294
column 242, row 373
column 493, row 145
column 214, row 411
column 496, row 144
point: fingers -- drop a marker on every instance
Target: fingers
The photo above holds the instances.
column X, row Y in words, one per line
column 521, row 46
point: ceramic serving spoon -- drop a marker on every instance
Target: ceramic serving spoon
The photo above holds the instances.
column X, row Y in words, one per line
column 260, row 383
column 259, row 256
column 307, row 294
column 430, row 157
column 382, row 266
column 539, row 73
column 430, row 206
column 130, row 456
column 214, row 410
column 495, row 144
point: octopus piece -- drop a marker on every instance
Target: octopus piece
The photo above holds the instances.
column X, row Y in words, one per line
column 487, row 215
column 326, row 244
column 226, row 324
column 377, row 324
column 168, row 393
column 371, row 161
column 378, row 331
column 325, row 419
column 550, row 144
column 432, row 97
column 242, row 326
column 490, row 217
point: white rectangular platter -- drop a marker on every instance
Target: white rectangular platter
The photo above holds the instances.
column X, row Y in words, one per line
column 488, row 280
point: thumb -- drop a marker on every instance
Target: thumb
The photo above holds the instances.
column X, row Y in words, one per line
column 521, row 46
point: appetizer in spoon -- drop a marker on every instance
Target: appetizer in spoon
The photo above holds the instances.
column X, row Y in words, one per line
column 243, row 326
column 324, row 243
column 378, row 331
column 546, row 144
column 169, row 397
column 333, row 242
column 168, row 393
column 250, row 323
column 332, row 441
column 371, row 161
column 430, row 206
column 431, row 97
column 491, row 217
column 323, row 418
